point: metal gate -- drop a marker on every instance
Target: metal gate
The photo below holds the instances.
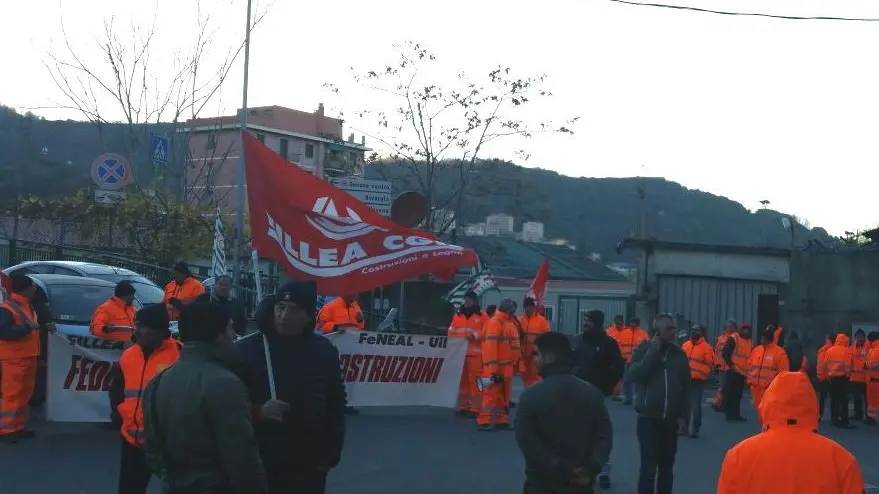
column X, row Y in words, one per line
column 711, row 301
column 571, row 309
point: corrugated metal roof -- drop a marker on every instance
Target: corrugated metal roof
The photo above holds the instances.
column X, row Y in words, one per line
column 512, row 258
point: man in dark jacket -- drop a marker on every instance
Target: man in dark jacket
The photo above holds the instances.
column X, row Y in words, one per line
column 794, row 350
column 301, row 430
column 598, row 361
column 562, row 425
column 197, row 417
column 734, row 387
column 222, row 296
column 660, row 372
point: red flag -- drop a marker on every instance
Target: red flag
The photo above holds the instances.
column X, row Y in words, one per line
column 538, row 287
column 319, row 232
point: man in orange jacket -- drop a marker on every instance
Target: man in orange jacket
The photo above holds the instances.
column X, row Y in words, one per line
column 873, row 378
column 182, row 290
column 468, row 323
column 19, row 349
column 821, row 371
column 858, row 380
column 153, row 352
column 767, row 360
column 341, row 313
column 497, row 368
column 619, row 323
column 631, row 338
column 114, row 319
column 837, row 366
column 803, row 461
column 533, row 325
column 701, row 358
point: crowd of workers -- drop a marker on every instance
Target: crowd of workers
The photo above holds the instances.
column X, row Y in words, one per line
column 203, row 415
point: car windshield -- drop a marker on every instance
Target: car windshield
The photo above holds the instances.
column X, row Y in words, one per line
column 148, row 294
column 76, row 303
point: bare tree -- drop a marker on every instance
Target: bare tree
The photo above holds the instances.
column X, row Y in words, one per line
column 433, row 137
column 127, row 82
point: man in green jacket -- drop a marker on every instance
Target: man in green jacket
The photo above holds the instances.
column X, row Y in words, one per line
column 660, row 372
column 197, row 417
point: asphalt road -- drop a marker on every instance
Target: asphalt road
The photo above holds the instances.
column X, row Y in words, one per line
column 404, row 450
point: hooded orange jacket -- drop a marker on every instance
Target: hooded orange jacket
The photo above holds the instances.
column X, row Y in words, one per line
column 803, row 461
column 838, row 358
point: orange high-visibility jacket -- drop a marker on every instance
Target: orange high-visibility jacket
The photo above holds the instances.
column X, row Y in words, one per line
column 533, row 327
column 614, row 332
column 872, row 373
column 497, row 346
column 338, row 312
column 186, row 292
column 701, row 357
column 859, row 362
column 742, row 354
column 113, row 320
column 820, row 368
column 470, row 328
column 766, row 362
column 838, row 358
column 137, row 371
column 718, row 350
column 630, row 339
column 22, row 315
column 802, row 461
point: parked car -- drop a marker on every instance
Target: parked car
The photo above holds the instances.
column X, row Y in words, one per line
column 148, row 292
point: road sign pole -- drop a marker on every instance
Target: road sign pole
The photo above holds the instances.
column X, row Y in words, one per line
column 239, row 218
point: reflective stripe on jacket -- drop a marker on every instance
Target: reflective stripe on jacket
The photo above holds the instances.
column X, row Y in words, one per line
column 471, row 328
column 701, row 358
column 137, row 371
column 497, row 346
column 742, row 354
column 22, row 315
column 766, row 362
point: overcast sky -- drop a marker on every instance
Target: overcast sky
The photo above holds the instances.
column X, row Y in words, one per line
column 748, row 108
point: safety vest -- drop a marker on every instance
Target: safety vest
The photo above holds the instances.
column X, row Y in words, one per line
column 859, row 361
column 766, row 362
column 23, row 315
column 630, row 339
column 533, row 327
column 701, row 358
column 497, row 346
column 838, row 361
column 742, row 354
column 470, row 328
column 137, row 372
column 718, row 351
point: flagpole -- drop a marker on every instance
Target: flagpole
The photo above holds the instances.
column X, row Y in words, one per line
column 239, row 218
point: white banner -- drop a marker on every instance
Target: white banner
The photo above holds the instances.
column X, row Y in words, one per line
column 380, row 369
column 78, row 377
column 390, row 369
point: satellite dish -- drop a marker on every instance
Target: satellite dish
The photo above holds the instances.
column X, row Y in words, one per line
column 409, row 209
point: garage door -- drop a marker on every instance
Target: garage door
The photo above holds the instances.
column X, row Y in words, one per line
column 571, row 309
column 711, row 301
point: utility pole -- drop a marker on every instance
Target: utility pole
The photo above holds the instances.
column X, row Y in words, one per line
column 239, row 218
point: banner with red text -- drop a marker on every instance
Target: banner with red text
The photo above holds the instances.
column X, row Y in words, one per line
column 391, row 369
column 78, row 377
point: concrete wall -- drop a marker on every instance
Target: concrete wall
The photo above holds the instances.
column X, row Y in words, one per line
column 730, row 266
column 831, row 291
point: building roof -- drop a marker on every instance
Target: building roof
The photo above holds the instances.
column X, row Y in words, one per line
column 507, row 257
column 650, row 245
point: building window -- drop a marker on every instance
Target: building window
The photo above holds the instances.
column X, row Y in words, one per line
column 309, row 150
column 261, row 138
column 283, row 149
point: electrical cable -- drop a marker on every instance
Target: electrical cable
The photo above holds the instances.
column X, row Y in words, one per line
column 746, row 14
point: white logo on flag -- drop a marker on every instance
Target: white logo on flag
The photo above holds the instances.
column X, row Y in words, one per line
column 335, row 226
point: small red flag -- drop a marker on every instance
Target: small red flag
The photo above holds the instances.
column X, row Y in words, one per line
column 539, row 285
